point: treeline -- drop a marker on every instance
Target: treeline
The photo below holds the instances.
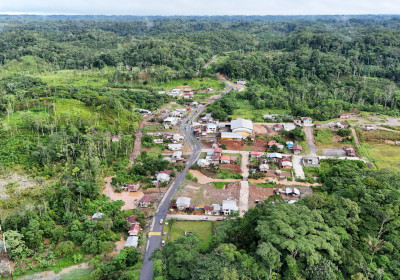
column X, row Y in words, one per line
column 347, row 230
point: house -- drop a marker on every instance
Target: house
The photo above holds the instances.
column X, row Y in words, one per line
column 163, row 177
column 242, row 126
column 264, row 167
column 288, row 126
column 158, row 141
column 161, row 92
column 241, row 82
column 306, row 119
column 97, row 216
column 188, row 95
column 115, row 138
column 297, row 149
column 169, row 159
column 277, row 127
column 289, row 144
column 177, row 138
column 225, row 159
column 344, row 116
column 175, row 92
column 350, row 152
column 270, row 116
column 132, row 219
column 211, row 128
column 194, row 104
column 186, row 90
column 342, row 125
column 318, row 126
column 231, row 136
column 209, row 90
column 215, row 159
column 171, row 121
column 229, row 207
column 217, row 150
column 272, row 143
column 134, row 229
column 208, row 210
column 369, row 128
column 203, row 163
column 183, row 203
column 274, row 156
column 177, row 156
column 214, row 209
column 234, row 159
column 285, row 164
column 256, row 154
column 131, row 241
column 132, row 187
column 145, row 201
column 238, row 88
column 175, row 147
column 292, row 191
column 310, row 161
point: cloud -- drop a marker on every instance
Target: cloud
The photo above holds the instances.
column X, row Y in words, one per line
column 200, row 7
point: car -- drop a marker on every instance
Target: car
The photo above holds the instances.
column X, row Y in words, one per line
column 162, row 242
column 204, row 218
column 165, row 233
column 161, row 221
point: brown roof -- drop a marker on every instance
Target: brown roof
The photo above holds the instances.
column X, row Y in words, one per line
column 132, row 219
column 208, row 208
column 217, row 150
column 146, row 198
column 225, row 158
column 297, row 147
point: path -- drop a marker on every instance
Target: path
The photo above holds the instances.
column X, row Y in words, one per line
column 298, row 168
column 51, row 275
column 284, row 182
column 137, row 144
column 210, row 61
column 355, row 137
column 310, row 140
column 244, row 185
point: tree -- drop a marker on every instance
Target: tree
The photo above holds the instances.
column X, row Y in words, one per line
column 65, row 248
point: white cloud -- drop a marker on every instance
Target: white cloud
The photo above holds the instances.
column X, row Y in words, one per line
column 200, row 7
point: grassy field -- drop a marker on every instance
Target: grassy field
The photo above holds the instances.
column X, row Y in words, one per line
column 220, row 185
column 266, row 185
column 324, row 136
column 383, row 155
column 204, row 231
column 77, row 274
column 247, row 111
column 200, row 83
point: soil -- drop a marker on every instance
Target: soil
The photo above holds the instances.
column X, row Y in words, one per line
column 260, row 130
column 130, row 198
column 259, row 145
column 206, row 145
column 235, row 168
column 203, row 179
column 232, row 145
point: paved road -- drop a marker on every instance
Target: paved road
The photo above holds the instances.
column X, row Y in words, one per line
column 210, row 61
column 154, row 241
column 194, row 217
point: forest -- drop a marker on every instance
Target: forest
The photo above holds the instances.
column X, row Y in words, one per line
column 68, row 83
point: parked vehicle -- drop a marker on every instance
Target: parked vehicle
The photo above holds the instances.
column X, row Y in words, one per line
column 161, row 221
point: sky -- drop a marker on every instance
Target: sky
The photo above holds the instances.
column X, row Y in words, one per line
column 199, row 7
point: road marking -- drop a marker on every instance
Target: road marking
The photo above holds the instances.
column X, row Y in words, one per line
column 154, row 233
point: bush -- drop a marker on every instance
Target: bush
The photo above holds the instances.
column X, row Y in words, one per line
column 344, row 132
column 65, row 248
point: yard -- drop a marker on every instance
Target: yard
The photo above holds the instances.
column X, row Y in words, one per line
column 204, row 231
column 201, row 83
column 248, row 111
column 331, row 143
column 382, row 155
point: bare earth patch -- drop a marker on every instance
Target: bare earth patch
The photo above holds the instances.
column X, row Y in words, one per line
column 130, row 198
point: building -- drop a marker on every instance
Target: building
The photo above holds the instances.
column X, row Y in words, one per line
column 272, row 143
column 177, row 156
column 203, row 163
column 183, row 203
column 342, row 125
column 242, row 126
column 277, row 127
column 256, row 154
column 270, row 116
column 292, row 191
column 310, row 161
column 234, row 159
column 177, row 138
column 211, row 128
column 214, row 209
column 173, row 121
column 131, row 241
column 132, row 219
column 188, row 95
column 163, row 177
column 289, row 126
column 158, row 141
column 232, row 136
column 289, row 144
column 350, row 152
column 225, row 159
column 175, row 92
column 229, row 207
column 241, row 82
column 145, row 201
column 297, row 149
column 175, row 147
column 318, row 126
column 115, row 138
column 264, row 167
column 306, row 120
column 132, row 187
column 134, row 229
column 285, row 164
column 274, row 156
column 97, row 216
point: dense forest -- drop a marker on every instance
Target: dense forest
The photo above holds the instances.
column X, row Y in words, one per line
column 67, row 84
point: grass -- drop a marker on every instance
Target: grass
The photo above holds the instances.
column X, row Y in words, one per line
column 311, row 171
column 266, row 185
column 220, row 185
column 324, row 136
column 200, row 83
column 383, row 155
column 77, row 274
column 225, row 174
column 153, row 151
column 305, row 150
column 248, row 111
column 203, row 230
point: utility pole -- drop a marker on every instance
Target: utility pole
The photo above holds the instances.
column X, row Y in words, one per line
column 5, row 266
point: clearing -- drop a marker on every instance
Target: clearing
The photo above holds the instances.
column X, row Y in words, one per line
column 204, row 231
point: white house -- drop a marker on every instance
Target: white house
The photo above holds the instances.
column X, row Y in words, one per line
column 183, row 202
column 264, row 167
column 288, row 126
column 177, row 155
column 229, row 207
column 203, row 163
column 132, row 241
column 163, row 177
column 171, row 120
column 175, row 147
column 177, row 138
column 292, row 191
column 241, row 82
column 242, row 126
column 211, row 128
column 158, row 141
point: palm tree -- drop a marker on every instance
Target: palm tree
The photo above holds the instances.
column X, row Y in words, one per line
column 374, row 245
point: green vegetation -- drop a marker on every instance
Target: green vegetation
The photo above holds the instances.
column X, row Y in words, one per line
column 324, row 136
column 203, row 230
column 266, row 185
column 226, row 174
column 77, row 274
column 220, row 185
column 383, row 156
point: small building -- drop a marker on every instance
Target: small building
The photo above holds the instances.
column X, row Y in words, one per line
column 134, row 229
column 242, row 126
column 342, row 125
column 256, row 154
column 215, row 159
column 285, row 164
column 225, row 159
column 214, row 209
column 306, row 120
column 232, row 136
column 177, row 138
column 229, row 207
column 318, row 126
column 278, row 127
column 310, row 161
column 183, row 203
column 350, row 152
column 289, row 144
column 145, row 201
column 369, row 128
column 173, row 121
column 177, row 156
column 203, row 163
column 241, row 82
column 115, row 138
column 217, row 150
column 272, row 143
column 234, row 159
column 97, row 216
column 175, row 147
column 274, row 156
column 131, row 241
column 270, row 116
column 132, row 187
column 292, row 191
column 163, row 177
column 188, row 95
column 297, row 149
column 211, row 128
column 264, row 167
column 289, row 126
column 158, row 141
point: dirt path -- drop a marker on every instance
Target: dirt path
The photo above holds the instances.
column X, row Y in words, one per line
column 137, row 145
column 130, row 198
column 310, row 140
column 51, row 275
column 355, row 137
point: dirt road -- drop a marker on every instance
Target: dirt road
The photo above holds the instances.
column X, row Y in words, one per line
column 310, row 140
